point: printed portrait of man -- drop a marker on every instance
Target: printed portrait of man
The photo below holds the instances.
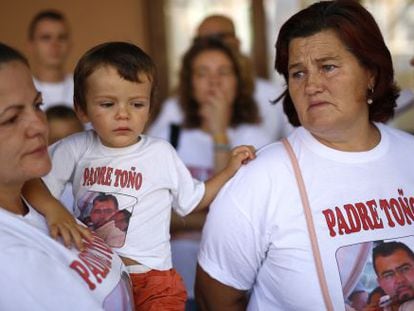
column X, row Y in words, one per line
column 394, row 266
column 109, row 223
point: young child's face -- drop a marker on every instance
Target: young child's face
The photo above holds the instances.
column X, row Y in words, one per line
column 117, row 108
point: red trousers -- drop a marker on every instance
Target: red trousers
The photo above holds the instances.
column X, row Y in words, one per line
column 158, row 290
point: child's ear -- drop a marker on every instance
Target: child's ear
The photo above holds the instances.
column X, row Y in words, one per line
column 82, row 115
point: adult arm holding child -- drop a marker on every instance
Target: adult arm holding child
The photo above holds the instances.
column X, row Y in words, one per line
column 60, row 221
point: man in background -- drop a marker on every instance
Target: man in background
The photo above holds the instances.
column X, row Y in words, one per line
column 49, row 46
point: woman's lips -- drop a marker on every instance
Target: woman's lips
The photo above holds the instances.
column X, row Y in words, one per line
column 317, row 104
column 38, row 151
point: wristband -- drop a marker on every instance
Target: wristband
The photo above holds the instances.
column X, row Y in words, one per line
column 220, row 138
column 222, row 147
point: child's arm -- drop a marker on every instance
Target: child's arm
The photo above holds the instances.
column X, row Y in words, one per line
column 60, row 221
column 239, row 156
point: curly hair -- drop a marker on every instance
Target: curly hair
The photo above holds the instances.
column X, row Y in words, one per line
column 245, row 109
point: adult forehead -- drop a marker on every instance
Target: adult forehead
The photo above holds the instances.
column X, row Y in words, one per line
column 212, row 57
column 15, row 73
column 398, row 257
column 214, row 25
column 320, row 41
column 48, row 22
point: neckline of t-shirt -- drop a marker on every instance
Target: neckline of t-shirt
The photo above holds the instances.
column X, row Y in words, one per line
column 65, row 82
column 105, row 150
column 346, row 156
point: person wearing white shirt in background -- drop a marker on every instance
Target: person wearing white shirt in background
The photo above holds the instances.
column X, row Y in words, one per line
column 219, row 112
column 273, row 118
column 49, row 45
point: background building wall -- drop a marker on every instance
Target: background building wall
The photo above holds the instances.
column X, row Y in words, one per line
column 91, row 22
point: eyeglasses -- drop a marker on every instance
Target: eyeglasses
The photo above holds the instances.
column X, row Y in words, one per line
column 403, row 270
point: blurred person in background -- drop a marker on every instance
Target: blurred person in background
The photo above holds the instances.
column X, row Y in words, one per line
column 49, row 45
column 273, row 120
column 62, row 121
column 219, row 113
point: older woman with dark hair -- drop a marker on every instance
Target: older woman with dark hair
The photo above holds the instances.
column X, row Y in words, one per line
column 294, row 227
column 36, row 271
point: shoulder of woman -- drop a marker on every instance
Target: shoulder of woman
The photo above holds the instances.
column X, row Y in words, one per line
column 271, row 160
column 250, row 134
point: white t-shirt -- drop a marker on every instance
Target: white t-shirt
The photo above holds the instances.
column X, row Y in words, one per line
column 274, row 121
column 196, row 149
column 39, row 273
column 60, row 93
column 256, row 236
column 147, row 179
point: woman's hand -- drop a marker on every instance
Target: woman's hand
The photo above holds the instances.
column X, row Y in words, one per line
column 216, row 111
column 62, row 223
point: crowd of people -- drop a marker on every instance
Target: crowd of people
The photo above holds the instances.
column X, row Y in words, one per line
column 241, row 195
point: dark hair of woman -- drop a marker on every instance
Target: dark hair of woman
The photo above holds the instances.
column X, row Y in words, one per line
column 245, row 109
column 359, row 32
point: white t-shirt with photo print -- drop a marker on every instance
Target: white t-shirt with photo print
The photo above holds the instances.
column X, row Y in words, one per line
column 255, row 237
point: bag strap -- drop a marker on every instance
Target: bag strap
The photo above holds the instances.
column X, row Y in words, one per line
column 174, row 138
column 310, row 226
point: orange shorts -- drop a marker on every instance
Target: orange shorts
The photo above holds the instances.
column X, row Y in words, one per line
column 158, row 290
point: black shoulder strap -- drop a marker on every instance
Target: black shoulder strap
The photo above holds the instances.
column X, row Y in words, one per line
column 174, row 134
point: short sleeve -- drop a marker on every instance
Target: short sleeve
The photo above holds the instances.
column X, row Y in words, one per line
column 64, row 155
column 187, row 191
column 231, row 249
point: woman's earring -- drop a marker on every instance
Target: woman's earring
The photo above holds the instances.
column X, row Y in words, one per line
column 370, row 100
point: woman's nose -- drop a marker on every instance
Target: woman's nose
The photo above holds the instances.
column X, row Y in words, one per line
column 36, row 123
column 214, row 79
column 313, row 83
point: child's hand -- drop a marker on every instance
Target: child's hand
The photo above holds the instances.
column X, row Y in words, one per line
column 241, row 155
column 62, row 223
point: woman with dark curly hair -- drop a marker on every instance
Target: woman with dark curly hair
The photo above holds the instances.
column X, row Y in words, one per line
column 216, row 96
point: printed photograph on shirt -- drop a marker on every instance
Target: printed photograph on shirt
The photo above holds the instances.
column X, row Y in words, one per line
column 378, row 275
column 108, row 214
